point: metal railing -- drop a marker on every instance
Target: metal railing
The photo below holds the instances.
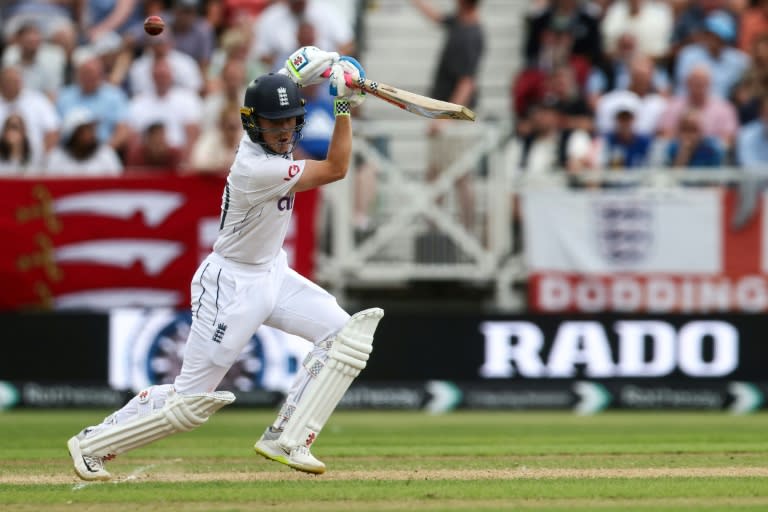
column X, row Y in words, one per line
column 418, row 233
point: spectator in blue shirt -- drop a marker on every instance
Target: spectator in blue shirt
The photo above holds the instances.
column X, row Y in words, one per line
column 752, row 142
column 728, row 64
column 691, row 148
column 106, row 101
column 624, row 148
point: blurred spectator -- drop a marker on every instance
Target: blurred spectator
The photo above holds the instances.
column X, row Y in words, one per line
column 649, row 21
column 234, row 44
column 215, row 150
column 531, row 84
column 754, row 85
column 80, row 153
column 549, row 148
column 134, row 36
column 34, row 107
column 275, row 30
column 455, row 81
column 108, row 103
column 116, row 57
column 193, row 34
column 185, row 71
column 614, row 73
column 718, row 116
column 728, row 64
column 690, row 20
column 99, row 17
column 691, row 148
column 318, row 123
column 641, row 90
column 16, row 157
column 577, row 17
column 178, row 108
column 42, row 63
column 152, row 153
column 752, row 145
column 64, row 35
column 559, row 86
column 233, row 83
column 623, row 147
column 45, row 13
column 754, row 23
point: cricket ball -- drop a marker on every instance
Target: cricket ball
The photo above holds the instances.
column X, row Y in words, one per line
column 153, row 25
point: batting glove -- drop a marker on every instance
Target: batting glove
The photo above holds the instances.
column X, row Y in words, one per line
column 343, row 74
column 306, row 65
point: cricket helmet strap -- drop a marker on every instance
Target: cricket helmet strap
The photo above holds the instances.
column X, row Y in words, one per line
column 272, row 96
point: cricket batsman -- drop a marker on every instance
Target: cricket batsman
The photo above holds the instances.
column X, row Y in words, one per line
column 246, row 282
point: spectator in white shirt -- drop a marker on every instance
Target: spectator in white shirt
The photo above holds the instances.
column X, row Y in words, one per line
column 80, row 152
column 185, row 71
column 38, row 112
column 276, row 30
column 42, row 64
column 177, row 108
column 649, row 21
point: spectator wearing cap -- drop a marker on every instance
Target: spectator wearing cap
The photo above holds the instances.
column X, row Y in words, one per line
column 43, row 64
column 193, row 34
column 185, row 71
column 177, row 108
column 38, row 112
column 718, row 116
column 640, row 91
column 728, row 64
column 691, row 148
column 623, row 147
column 276, row 30
column 689, row 20
column 752, row 143
column 80, row 153
column 108, row 103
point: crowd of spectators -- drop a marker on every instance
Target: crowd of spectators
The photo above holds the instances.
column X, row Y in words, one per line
column 85, row 91
column 631, row 84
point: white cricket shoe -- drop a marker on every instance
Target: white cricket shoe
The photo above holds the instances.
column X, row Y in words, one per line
column 299, row 458
column 87, row 467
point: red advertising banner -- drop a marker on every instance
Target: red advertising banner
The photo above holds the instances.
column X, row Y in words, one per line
column 116, row 242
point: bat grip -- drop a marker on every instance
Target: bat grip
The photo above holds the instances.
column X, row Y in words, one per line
column 347, row 78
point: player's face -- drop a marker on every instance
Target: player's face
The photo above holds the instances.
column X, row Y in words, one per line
column 278, row 133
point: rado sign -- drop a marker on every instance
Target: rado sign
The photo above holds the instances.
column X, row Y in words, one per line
column 625, row 348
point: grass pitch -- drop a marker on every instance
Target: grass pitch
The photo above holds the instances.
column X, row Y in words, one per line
column 390, row 461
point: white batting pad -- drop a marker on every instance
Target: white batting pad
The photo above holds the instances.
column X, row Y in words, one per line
column 179, row 414
column 347, row 357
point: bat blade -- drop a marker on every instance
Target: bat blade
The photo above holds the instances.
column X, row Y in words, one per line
column 414, row 103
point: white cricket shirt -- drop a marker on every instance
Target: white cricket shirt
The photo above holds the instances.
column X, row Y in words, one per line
column 256, row 205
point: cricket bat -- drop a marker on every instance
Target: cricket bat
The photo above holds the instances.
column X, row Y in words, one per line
column 414, row 103
column 410, row 101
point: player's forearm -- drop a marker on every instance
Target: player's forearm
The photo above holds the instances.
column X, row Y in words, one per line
column 340, row 147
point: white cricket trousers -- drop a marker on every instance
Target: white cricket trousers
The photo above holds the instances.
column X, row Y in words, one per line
column 230, row 301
